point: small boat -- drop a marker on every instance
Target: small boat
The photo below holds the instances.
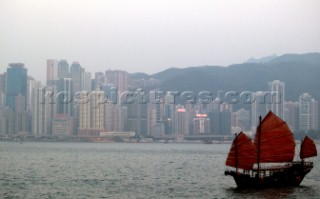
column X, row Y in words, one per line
column 268, row 160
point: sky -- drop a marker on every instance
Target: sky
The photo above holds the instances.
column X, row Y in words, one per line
column 153, row 35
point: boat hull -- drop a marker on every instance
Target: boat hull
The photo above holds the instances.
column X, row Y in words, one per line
column 287, row 177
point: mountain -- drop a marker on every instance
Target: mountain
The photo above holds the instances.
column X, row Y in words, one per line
column 261, row 60
column 300, row 72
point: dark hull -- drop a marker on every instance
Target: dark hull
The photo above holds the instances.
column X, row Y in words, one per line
column 285, row 177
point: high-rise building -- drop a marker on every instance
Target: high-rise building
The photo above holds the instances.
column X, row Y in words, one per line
column 242, row 119
column 308, row 112
column 155, row 115
column 63, row 69
column 2, row 90
column 201, row 124
column 92, row 113
column 62, row 125
column 168, row 113
column 16, row 84
column 7, row 121
column 64, row 97
column 258, row 108
column 291, row 115
column 99, row 79
column 97, row 109
column 314, row 114
column 84, row 116
column 3, row 83
column 276, row 104
column 32, row 84
column 137, row 114
column 118, row 78
column 87, row 82
column 220, row 119
column 76, row 76
column 21, row 116
column 115, row 117
column 38, row 110
column 52, row 71
column 181, row 122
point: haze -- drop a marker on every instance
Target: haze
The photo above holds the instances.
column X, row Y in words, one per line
column 150, row 36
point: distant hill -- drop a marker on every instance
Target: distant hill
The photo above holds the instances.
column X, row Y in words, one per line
column 300, row 72
column 261, row 60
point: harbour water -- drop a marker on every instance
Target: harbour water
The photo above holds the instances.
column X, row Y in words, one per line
column 122, row 170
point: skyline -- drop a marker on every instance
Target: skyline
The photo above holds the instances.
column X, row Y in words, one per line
column 144, row 36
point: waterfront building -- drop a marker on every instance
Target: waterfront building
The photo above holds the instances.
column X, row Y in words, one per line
column 16, row 84
column 62, row 125
column 76, row 77
column 291, row 115
column 308, row 112
column 201, row 124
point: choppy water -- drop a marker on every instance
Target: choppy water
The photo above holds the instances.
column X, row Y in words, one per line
column 100, row 170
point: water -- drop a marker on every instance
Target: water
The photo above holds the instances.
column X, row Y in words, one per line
column 100, row 170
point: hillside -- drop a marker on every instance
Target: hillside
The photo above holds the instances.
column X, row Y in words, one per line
column 299, row 72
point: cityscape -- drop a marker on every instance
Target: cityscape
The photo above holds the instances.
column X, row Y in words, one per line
column 115, row 106
column 163, row 99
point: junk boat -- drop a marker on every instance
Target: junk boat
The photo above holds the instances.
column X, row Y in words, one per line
column 268, row 160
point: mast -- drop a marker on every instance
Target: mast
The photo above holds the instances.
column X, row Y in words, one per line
column 236, row 152
column 301, row 151
column 259, row 144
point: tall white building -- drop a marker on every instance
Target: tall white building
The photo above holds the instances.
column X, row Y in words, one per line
column 276, row 103
column 308, row 112
column 42, row 111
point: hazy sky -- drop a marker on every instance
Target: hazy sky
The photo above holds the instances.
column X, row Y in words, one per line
column 150, row 36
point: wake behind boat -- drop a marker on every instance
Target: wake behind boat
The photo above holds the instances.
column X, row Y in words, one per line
column 268, row 161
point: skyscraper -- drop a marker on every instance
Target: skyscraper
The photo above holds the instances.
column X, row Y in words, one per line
column 64, row 96
column 118, row 78
column 52, row 71
column 92, row 113
column 201, row 124
column 76, row 76
column 16, row 84
column 276, row 104
column 115, row 117
column 38, row 111
column 63, row 69
column 308, row 112
column 243, row 119
column 99, row 79
column 87, row 82
column 291, row 115
column 2, row 90
column 21, row 116
column 258, row 108
column 181, row 122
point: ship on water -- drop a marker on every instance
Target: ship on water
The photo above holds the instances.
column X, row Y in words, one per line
column 268, row 161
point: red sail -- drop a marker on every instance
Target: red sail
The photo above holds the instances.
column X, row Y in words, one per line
column 276, row 140
column 308, row 148
column 242, row 153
